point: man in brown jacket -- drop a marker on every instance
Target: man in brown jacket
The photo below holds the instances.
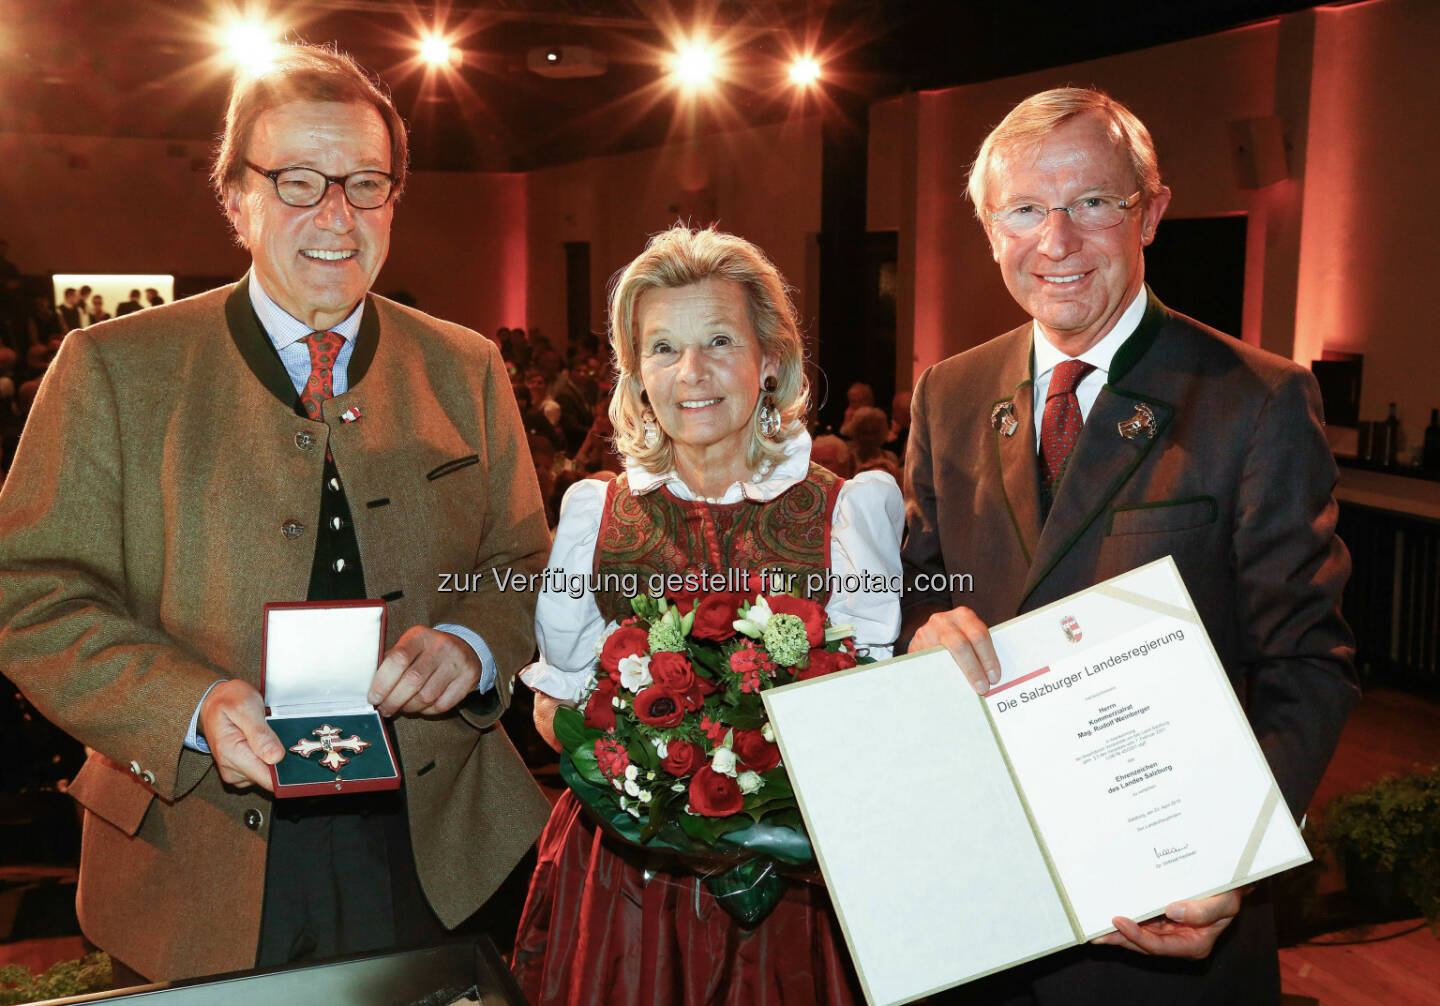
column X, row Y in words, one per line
column 1107, row 433
column 288, row 438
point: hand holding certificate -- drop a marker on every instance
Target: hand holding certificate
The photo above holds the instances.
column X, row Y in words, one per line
column 1109, row 772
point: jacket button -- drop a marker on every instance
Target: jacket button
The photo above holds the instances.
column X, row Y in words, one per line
column 292, row 529
column 333, row 484
column 305, row 440
column 254, row 819
column 147, row 777
column 339, row 565
column 337, row 523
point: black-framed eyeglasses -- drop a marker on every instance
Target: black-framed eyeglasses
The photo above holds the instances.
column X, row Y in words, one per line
column 364, row 190
column 1089, row 213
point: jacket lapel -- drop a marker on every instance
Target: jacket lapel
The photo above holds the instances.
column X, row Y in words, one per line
column 1019, row 467
column 1103, row 459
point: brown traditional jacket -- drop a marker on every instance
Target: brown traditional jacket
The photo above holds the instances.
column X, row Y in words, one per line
column 152, row 511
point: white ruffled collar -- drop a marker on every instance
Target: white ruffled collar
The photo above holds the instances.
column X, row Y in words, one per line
column 761, row 487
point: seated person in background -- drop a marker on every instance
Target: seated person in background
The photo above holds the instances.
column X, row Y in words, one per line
column 598, row 453
column 708, row 410
column 867, row 430
column 834, row 453
column 858, row 396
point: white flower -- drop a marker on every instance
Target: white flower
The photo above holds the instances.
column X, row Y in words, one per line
column 753, row 624
column 624, row 804
column 644, row 795
column 618, row 785
column 633, row 811
column 678, row 787
column 750, row 782
column 631, row 771
column 661, row 748
column 631, row 788
column 768, row 732
column 634, row 672
column 723, row 761
column 651, row 775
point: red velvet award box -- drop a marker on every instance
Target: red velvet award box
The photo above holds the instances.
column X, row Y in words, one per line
column 320, row 658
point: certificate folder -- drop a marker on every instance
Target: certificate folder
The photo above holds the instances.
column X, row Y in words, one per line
column 1111, row 771
column 319, row 660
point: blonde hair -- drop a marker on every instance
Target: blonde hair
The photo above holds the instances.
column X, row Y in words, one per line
column 1035, row 118
column 679, row 257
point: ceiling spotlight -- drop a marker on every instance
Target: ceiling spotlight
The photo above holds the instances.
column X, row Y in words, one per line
column 694, row 65
column 252, row 47
column 805, row 71
column 436, row 51
column 553, row 55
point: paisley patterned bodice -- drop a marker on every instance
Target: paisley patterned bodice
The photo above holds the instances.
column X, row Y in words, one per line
column 653, row 535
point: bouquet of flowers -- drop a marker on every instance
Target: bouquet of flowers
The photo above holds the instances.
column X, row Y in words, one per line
column 672, row 748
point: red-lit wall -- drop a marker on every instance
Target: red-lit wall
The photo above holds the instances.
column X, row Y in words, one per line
column 1367, row 280
column 763, row 184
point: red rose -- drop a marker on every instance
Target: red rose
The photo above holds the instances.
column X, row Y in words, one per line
column 630, row 641
column 806, row 610
column 673, row 671
column 682, row 758
column 714, row 795
column 612, row 757
column 754, row 752
column 599, row 712
column 715, row 617
column 822, row 662
column 659, row 707
column 844, row 659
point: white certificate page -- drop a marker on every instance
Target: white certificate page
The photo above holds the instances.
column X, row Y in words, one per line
column 1142, row 776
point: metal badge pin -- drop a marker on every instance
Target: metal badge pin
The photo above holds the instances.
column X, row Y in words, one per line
column 1002, row 418
column 1143, row 422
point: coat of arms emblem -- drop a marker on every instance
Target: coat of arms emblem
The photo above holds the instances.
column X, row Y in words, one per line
column 1072, row 628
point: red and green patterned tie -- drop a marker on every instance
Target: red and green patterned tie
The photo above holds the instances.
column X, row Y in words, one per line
column 324, row 348
column 1060, row 425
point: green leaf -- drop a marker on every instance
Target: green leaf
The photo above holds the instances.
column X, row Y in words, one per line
column 746, row 716
column 659, row 817
column 586, row 765
column 570, row 729
column 778, row 782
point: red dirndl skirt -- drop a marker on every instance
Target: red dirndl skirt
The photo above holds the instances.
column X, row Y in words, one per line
column 594, row 932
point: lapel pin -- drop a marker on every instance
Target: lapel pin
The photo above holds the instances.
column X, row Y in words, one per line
column 351, row 414
column 1140, row 424
column 1002, row 418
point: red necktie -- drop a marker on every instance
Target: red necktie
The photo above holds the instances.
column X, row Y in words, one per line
column 1061, row 423
column 324, row 348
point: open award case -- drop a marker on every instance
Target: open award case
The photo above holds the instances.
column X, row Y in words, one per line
column 320, row 658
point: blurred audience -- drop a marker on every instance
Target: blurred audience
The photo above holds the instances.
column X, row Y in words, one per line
column 829, row 451
column 130, row 306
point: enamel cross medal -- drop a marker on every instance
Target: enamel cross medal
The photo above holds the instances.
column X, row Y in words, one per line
column 332, row 745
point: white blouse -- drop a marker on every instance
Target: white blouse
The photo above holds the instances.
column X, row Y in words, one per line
column 864, row 543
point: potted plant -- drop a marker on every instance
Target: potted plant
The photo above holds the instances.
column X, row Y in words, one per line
column 1387, row 835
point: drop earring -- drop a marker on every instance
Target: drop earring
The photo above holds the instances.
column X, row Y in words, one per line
column 769, row 415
